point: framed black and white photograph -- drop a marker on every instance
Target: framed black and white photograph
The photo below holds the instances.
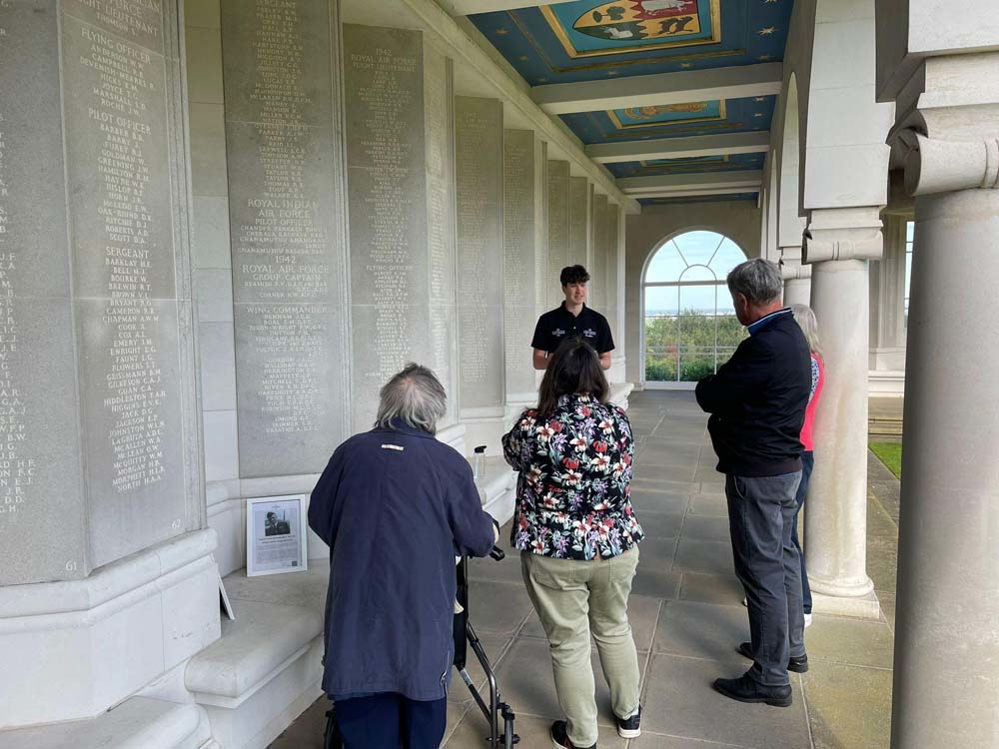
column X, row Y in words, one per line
column 276, row 534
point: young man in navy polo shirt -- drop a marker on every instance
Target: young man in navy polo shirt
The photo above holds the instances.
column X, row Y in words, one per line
column 572, row 319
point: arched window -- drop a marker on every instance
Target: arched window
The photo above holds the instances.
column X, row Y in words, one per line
column 690, row 325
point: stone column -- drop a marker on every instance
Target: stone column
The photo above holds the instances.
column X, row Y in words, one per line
column 841, row 243
column 797, row 277
column 946, row 649
column 888, row 300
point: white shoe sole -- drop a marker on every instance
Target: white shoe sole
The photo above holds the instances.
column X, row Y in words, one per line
column 626, row 734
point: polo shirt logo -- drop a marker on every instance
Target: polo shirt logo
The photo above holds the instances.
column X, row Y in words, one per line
column 558, row 332
column 590, row 333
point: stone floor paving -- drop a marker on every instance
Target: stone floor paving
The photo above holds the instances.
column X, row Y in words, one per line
column 687, row 619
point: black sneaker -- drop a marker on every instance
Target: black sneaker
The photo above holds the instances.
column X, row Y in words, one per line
column 630, row 728
column 799, row 665
column 561, row 739
column 746, row 689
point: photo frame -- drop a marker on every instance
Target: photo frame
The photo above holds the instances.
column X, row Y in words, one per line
column 276, row 534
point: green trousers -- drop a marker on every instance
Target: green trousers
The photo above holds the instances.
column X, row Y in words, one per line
column 573, row 599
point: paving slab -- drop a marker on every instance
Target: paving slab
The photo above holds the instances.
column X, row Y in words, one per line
column 701, row 630
column 699, row 586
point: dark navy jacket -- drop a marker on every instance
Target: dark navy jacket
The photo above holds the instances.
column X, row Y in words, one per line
column 395, row 507
column 757, row 400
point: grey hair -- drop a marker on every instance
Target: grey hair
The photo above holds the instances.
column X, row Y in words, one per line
column 758, row 280
column 414, row 396
column 805, row 318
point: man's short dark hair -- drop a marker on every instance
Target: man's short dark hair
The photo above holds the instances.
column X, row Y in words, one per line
column 574, row 274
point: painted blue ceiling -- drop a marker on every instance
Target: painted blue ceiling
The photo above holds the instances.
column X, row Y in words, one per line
column 741, row 197
column 594, row 39
column 696, row 118
column 701, row 165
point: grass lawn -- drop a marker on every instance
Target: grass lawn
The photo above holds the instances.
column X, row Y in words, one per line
column 889, row 453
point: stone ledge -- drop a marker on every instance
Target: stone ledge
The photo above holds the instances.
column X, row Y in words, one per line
column 263, row 638
column 137, row 723
column 496, row 489
column 106, row 584
column 267, row 666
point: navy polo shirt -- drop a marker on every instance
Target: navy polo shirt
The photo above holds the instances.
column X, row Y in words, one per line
column 555, row 326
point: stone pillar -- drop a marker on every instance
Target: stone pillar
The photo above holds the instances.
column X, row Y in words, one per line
column 797, row 277
column 479, row 155
column 841, row 243
column 946, row 650
column 106, row 576
column 888, row 300
column 558, row 229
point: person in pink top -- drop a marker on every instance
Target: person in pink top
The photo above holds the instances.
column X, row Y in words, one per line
column 805, row 318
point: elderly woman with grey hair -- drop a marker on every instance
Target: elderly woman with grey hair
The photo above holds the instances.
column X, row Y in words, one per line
column 395, row 506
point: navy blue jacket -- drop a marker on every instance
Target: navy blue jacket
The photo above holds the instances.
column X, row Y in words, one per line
column 395, row 507
column 757, row 400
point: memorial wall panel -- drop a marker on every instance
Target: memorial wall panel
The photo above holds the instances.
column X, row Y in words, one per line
column 599, row 284
column 479, row 192
column 286, row 227
column 558, row 228
column 389, row 249
column 42, row 504
column 614, row 274
column 580, row 194
column 520, row 248
column 126, row 202
column 439, row 123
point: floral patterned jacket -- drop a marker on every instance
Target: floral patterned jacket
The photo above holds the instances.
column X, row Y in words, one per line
column 573, row 489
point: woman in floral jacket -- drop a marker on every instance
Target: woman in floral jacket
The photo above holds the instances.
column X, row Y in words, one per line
column 578, row 537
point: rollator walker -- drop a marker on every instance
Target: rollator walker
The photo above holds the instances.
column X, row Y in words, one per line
column 497, row 713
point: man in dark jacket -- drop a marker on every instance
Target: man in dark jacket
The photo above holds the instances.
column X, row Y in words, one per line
column 757, row 405
column 395, row 506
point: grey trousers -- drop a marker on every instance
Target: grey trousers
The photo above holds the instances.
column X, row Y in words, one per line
column 761, row 514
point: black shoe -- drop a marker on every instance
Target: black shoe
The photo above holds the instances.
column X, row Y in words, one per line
column 561, row 739
column 744, row 689
column 630, row 728
column 799, row 665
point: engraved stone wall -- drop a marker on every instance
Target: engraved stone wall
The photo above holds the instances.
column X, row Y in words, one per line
column 479, row 182
column 599, row 282
column 389, row 248
column 580, row 194
column 614, row 275
column 558, row 228
column 520, row 191
column 104, row 349
column 287, row 249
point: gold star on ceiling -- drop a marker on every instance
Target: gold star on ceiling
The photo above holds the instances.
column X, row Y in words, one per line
column 523, row 58
column 758, row 114
column 763, row 58
column 686, row 65
column 767, row 31
column 768, row 2
column 502, row 32
column 760, row 98
column 542, row 80
column 612, row 72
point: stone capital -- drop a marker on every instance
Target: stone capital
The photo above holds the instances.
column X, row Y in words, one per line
column 794, row 271
column 935, row 165
column 844, row 234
